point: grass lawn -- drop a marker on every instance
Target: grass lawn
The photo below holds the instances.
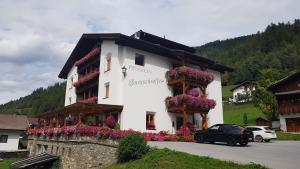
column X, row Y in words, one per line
column 226, row 93
column 168, row 159
column 233, row 114
column 5, row 163
column 287, row 136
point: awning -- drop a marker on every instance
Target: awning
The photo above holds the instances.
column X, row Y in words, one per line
column 84, row 108
column 41, row 160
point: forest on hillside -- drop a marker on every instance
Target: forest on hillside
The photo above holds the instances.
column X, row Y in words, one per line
column 39, row 101
column 277, row 49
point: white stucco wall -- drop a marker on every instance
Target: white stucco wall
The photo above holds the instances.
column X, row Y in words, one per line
column 12, row 141
column 70, row 96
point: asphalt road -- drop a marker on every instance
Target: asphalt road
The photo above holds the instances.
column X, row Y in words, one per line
column 276, row 154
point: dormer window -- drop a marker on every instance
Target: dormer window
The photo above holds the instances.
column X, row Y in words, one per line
column 139, row 59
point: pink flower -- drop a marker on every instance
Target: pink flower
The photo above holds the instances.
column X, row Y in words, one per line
column 110, row 122
column 87, row 56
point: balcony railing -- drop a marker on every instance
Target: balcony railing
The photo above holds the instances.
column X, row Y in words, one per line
column 289, row 108
column 190, row 103
column 86, row 78
column 193, row 76
column 87, row 57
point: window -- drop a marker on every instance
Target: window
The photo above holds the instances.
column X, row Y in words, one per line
column 3, row 138
column 150, row 124
column 106, row 90
column 108, row 63
column 71, row 83
column 139, row 59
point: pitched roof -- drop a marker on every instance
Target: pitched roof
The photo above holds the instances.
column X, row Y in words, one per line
column 36, row 161
column 142, row 41
column 13, row 122
column 242, row 84
column 273, row 86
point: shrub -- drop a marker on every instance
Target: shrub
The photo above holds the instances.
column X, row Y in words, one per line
column 132, row 147
column 110, row 122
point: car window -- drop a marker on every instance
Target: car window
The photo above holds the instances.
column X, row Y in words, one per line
column 267, row 128
column 214, row 127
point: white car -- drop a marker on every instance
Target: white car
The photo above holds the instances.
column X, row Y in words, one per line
column 262, row 133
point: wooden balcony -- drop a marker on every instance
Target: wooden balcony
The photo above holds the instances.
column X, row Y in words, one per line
column 289, row 108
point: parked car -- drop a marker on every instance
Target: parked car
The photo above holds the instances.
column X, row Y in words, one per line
column 262, row 133
column 228, row 133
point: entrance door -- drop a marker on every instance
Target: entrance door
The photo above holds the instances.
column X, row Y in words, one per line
column 179, row 122
column 293, row 124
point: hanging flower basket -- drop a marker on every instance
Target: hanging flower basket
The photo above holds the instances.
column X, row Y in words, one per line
column 190, row 101
column 190, row 74
column 90, row 100
column 87, row 56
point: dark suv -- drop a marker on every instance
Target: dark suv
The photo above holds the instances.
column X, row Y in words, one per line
column 228, row 133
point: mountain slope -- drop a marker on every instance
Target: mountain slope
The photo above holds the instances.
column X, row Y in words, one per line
column 277, row 48
column 39, row 101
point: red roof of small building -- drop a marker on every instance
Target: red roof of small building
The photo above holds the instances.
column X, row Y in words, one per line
column 13, row 122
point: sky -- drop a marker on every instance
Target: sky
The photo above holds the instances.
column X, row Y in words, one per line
column 37, row 37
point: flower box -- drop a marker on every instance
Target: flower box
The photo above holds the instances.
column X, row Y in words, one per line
column 86, row 78
column 190, row 102
column 87, row 56
column 188, row 73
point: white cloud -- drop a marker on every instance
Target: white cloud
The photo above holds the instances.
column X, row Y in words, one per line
column 37, row 37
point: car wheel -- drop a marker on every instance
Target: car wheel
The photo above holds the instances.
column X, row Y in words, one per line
column 259, row 138
column 267, row 140
column 243, row 143
column 231, row 141
column 211, row 142
column 200, row 139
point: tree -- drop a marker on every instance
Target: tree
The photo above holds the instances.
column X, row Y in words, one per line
column 264, row 99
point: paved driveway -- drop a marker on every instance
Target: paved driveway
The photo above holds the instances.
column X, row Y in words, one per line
column 276, row 154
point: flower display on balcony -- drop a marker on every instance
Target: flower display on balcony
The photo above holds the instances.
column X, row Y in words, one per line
column 90, row 100
column 110, row 122
column 106, row 133
column 190, row 73
column 87, row 56
column 195, row 102
column 86, row 78
column 194, row 92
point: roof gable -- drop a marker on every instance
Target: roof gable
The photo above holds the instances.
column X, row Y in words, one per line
column 147, row 43
column 13, row 122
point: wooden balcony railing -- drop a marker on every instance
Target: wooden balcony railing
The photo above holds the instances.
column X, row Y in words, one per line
column 289, row 108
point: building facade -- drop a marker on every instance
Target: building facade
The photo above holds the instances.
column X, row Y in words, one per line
column 243, row 92
column 11, row 128
column 130, row 71
column 287, row 92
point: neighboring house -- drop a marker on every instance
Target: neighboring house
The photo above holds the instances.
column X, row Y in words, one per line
column 125, row 77
column 11, row 127
column 243, row 92
column 287, row 92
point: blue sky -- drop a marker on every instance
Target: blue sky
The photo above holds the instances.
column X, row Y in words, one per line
column 36, row 38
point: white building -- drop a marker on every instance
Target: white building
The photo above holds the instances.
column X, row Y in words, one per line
column 243, row 92
column 11, row 128
column 130, row 71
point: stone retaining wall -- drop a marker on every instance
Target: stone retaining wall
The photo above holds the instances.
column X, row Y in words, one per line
column 76, row 153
